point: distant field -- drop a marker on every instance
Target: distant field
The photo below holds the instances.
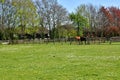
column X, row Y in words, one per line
column 60, row 62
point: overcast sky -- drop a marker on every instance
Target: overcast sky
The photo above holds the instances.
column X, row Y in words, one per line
column 71, row 5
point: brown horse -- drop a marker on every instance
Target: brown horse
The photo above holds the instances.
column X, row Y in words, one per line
column 77, row 38
column 80, row 39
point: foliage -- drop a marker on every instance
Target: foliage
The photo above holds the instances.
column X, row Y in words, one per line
column 110, row 21
column 78, row 20
column 113, row 31
column 49, row 17
column 65, row 31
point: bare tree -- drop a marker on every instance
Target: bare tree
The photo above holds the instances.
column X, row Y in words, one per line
column 50, row 14
column 7, row 17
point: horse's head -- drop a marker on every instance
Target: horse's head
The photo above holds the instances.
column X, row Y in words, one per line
column 77, row 37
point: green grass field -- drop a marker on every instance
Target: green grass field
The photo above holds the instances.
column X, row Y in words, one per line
column 60, row 62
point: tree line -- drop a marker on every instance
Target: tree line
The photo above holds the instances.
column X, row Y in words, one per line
column 21, row 19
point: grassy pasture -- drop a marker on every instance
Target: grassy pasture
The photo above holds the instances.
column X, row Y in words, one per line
column 60, row 62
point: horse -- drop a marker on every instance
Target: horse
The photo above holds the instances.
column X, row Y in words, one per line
column 81, row 39
column 78, row 38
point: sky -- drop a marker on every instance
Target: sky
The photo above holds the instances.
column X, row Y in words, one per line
column 71, row 5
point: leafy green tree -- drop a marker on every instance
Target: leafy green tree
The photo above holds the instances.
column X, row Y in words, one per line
column 25, row 13
column 79, row 21
column 66, row 31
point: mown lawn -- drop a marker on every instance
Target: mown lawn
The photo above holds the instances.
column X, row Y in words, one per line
column 60, row 62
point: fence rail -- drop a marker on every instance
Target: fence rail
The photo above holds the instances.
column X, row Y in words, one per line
column 114, row 39
column 95, row 40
